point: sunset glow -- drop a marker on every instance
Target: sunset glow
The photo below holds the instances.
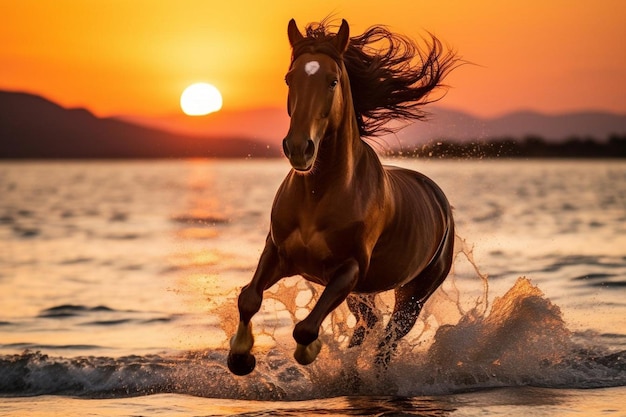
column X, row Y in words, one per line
column 135, row 58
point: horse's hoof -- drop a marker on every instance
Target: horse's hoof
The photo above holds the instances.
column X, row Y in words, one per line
column 241, row 364
column 305, row 355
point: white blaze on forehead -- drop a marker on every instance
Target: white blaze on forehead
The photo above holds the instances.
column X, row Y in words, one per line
column 311, row 67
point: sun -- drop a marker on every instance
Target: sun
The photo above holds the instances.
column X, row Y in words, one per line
column 200, row 99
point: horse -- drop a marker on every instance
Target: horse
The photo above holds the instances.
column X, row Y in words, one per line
column 340, row 218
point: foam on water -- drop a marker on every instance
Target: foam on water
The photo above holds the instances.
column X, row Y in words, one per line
column 457, row 345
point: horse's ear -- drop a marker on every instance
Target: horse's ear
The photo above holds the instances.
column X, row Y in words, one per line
column 293, row 33
column 343, row 37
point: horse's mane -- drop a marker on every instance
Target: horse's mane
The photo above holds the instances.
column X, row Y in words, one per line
column 391, row 78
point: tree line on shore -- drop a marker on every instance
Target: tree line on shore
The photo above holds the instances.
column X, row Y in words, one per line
column 529, row 147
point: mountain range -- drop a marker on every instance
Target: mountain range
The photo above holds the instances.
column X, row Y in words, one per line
column 446, row 124
column 34, row 127
column 456, row 126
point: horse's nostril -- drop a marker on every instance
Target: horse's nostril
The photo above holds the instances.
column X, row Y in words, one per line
column 310, row 148
column 286, row 148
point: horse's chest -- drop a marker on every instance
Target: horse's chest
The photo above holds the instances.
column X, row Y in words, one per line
column 313, row 249
column 305, row 246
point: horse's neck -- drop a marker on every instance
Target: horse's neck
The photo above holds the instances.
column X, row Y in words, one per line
column 340, row 157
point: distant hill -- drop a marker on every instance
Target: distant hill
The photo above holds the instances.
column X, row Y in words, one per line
column 263, row 124
column 33, row 127
column 456, row 126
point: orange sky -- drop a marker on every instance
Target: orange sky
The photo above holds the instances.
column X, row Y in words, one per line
column 135, row 57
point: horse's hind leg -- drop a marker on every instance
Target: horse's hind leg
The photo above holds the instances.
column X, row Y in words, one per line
column 407, row 308
column 362, row 307
column 240, row 360
column 411, row 297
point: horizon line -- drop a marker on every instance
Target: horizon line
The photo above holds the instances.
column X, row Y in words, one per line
column 242, row 109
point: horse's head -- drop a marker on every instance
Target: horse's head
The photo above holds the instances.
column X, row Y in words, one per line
column 317, row 83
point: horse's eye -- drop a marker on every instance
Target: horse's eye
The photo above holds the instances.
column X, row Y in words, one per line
column 333, row 84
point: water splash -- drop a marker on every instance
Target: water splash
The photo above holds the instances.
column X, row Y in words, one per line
column 461, row 342
column 522, row 336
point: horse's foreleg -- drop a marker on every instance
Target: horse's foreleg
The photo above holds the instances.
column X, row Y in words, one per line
column 240, row 360
column 362, row 307
column 307, row 331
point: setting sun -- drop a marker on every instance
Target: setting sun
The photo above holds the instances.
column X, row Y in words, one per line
column 200, row 99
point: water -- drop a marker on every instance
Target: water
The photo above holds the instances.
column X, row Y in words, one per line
column 118, row 285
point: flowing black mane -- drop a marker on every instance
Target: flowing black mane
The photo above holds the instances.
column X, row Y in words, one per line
column 390, row 76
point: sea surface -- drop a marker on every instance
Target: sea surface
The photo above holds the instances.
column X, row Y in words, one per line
column 118, row 286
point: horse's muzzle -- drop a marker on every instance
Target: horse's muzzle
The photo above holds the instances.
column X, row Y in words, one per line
column 301, row 155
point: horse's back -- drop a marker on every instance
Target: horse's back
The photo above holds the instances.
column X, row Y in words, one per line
column 418, row 197
column 408, row 182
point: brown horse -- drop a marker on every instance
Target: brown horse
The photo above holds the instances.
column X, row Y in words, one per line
column 341, row 219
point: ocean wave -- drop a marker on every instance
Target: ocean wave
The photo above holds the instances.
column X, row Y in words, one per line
column 37, row 347
column 200, row 219
column 102, row 315
column 205, row 374
column 523, row 341
column 71, row 310
column 577, row 261
column 26, row 232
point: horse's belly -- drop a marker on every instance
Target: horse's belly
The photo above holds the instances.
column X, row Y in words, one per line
column 387, row 276
column 395, row 264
